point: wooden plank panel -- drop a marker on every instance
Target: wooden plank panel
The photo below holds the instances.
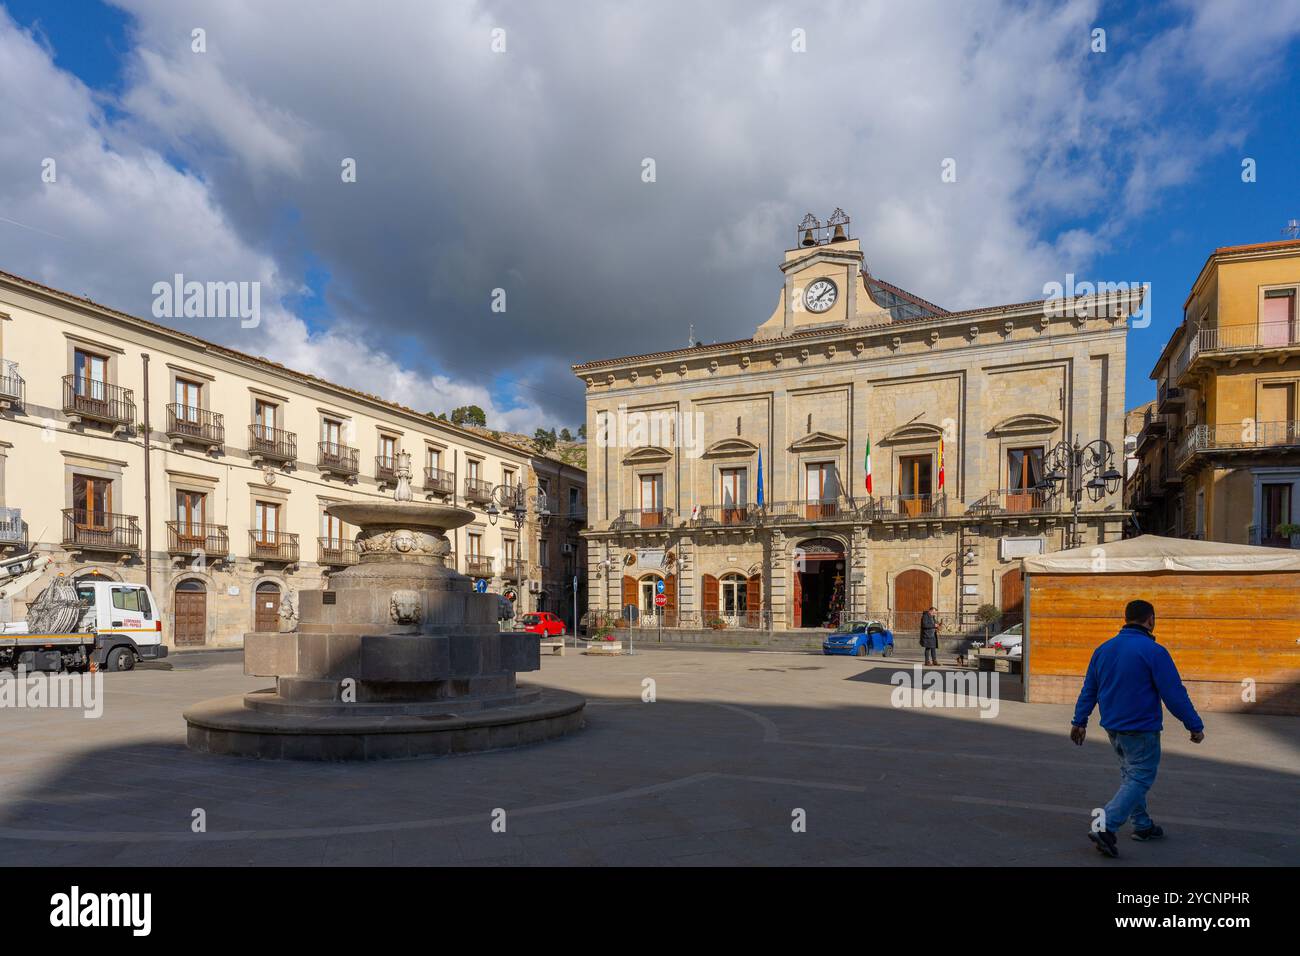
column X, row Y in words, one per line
column 1243, row 596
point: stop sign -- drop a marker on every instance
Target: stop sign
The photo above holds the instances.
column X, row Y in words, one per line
column 661, row 600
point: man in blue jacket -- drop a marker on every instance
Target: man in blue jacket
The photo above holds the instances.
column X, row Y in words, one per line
column 1129, row 676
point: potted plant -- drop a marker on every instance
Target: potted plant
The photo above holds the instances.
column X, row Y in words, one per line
column 716, row 623
column 1289, row 529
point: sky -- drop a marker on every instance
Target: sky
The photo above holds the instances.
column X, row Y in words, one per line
column 502, row 226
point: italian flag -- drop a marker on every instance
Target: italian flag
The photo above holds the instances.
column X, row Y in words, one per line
column 866, row 464
column 941, row 464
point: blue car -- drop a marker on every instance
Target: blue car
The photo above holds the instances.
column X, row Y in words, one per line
column 860, row 638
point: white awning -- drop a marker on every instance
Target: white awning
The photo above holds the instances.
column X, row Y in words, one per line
column 1151, row 552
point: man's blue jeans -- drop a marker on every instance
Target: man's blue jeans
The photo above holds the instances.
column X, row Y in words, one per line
column 1139, row 759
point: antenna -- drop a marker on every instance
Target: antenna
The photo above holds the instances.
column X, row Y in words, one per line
column 1292, row 229
column 690, row 337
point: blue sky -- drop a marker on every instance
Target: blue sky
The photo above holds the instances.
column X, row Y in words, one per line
column 521, row 171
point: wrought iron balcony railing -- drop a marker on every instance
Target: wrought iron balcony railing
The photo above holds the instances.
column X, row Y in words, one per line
column 337, row 552
column 100, row 531
column 1014, row 501
column 89, row 399
column 905, row 507
column 13, row 389
column 1239, row 437
column 271, row 444
column 648, row 518
column 13, row 530
column 265, row 544
column 477, row 566
column 386, row 469
column 708, row 516
column 476, row 489
column 197, row 538
column 197, row 425
column 1252, row 337
column 336, row 459
column 802, row 512
column 512, row 569
column 439, row 482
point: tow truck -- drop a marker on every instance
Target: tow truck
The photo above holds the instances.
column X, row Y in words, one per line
column 87, row 624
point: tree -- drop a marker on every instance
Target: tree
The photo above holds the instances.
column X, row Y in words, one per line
column 469, row 415
column 544, row 440
column 582, row 433
column 566, row 435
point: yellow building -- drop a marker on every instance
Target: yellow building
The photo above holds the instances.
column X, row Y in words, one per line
column 1219, row 454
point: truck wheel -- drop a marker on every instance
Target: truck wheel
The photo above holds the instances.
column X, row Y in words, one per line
column 121, row 659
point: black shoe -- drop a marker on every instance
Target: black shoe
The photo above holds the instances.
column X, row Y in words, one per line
column 1152, row 832
column 1107, row 845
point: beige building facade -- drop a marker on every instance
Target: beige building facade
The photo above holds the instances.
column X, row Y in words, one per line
column 956, row 414
column 144, row 454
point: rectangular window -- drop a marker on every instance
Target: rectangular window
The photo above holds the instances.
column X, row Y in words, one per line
column 651, row 500
column 266, row 522
column 1276, row 422
column 1024, row 473
column 473, row 545
column 1277, row 318
column 91, row 373
column 191, row 512
column 733, row 493
column 510, row 548
column 433, row 458
column 574, row 502
column 331, row 529
column 1275, row 509
column 508, row 477
column 819, row 490
column 543, row 553
column 914, row 484
column 133, row 600
column 187, row 400
column 266, row 416
column 331, row 432
column 471, row 469
column 92, row 501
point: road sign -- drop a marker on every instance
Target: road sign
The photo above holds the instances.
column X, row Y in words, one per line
column 661, row 600
column 510, row 595
column 480, row 586
column 659, row 586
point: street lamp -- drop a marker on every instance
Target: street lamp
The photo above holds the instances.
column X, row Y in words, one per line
column 1074, row 469
column 514, row 502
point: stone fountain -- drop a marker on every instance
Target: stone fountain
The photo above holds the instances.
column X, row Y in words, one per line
column 397, row 657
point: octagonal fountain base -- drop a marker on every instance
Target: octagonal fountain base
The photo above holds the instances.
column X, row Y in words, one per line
column 397, row 657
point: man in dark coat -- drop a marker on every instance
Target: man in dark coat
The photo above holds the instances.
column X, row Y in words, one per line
column 930, row 636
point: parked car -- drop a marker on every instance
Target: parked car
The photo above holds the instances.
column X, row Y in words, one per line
column 1010, row 640
column 860, row 638
column 544, row 623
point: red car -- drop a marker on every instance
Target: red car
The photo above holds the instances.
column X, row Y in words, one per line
column 544, row 623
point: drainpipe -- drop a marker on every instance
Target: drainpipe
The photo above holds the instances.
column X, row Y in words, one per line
column 148, row 500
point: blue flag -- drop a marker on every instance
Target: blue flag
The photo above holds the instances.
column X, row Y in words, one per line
column 759, row 499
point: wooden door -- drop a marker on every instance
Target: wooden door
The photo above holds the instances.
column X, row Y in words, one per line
column 913, row 594
column 818, row 489
column 754, row 600
column 1013, row 598
column 191, row 606
column 267, row 616
column 733, row 495
column 709, row 598
column 629, row 597
column 914, row 484
column 670, row 594
column 797, row 620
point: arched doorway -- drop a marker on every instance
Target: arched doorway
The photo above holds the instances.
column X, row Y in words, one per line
column 913, row 594
column 266, row 607
column 190, row 611
column 1012, row 592
column 819, row 583
column 646, row 589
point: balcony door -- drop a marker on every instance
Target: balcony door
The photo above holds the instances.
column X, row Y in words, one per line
column 331, row 435
column 1276, row 424
column 191, row 515
column 1275, row 509
column 188, row 396
column 651, row 500
column 331, row 530
column 387, row 452
column 266, row 418
column 91, row 376
column 914, row 488
column 820, row 491
column 266, row 523
column 1277, row 318
column 92, row 502
column 733, row 493
column 1024, row 473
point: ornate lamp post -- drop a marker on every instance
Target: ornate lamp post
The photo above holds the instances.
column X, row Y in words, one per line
column 1073, row 469
column 514, row 502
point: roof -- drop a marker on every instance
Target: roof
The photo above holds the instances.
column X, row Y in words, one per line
column 1281, row 245
column 1151, row 552
column 260, row 361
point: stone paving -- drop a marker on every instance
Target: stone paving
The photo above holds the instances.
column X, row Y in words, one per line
column 711, row 772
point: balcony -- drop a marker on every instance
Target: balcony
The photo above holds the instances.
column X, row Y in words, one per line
column 906, row 507
column 477, row 490
column 198, row 539
column 1238, row 439
column 195, row 426
column 648, row 519
column 439, row 482
column 337, row 552
column 1153, row 427
column 1257, row 536
column 278, row 547
column 713, row 516
column 512, row 570
column 1169, row 397
column 13, row 530
column 577, row 515
column 271, row 446
column 800, row 512
column 477, row 566
column 90, row 400
column 338, row 460
column 386, row 469
column 100, row 531
column 13, row 390
column 1010, row 502
column 1236, row 341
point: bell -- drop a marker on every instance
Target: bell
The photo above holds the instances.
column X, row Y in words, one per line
column 808, row 239
column 839, row 233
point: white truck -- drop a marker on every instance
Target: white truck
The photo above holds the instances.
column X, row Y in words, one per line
column 91, row 623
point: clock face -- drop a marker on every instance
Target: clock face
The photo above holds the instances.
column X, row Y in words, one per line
column 820, row 295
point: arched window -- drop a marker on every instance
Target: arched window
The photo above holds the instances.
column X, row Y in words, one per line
column 733, row 599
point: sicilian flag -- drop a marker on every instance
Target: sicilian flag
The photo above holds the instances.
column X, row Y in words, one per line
column 941, row 464
column 758, row 498
column 866, row 464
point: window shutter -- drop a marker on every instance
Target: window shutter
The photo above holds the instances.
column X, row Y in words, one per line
column 670, row 593
column 710, row 594
column 754, row 593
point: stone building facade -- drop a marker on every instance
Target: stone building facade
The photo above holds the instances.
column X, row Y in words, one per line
column 955, row 414
column 219, row 503
column 1219, row 450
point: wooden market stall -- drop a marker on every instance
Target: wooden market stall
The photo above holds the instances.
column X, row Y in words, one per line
column 1228, row 613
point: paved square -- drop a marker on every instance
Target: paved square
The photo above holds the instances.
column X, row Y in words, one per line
column 711, row 772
